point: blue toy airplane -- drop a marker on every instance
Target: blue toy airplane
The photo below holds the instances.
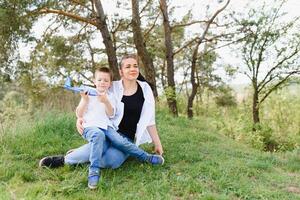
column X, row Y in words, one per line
column 88, row 90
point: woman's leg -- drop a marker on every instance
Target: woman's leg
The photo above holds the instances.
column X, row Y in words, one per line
column 111, row 157
column 79, row 155
column 82, row 154
column 75, row 156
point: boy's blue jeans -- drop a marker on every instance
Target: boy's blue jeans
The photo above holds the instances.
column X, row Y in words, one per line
column 115, row 150
column 125, row 144
column 95, row 136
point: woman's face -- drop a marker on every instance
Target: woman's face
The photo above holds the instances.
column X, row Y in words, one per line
column 129, row 69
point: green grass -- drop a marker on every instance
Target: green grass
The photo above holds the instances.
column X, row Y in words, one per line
column 201, row 163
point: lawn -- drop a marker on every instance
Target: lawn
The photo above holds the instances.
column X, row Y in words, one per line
column 201, row 163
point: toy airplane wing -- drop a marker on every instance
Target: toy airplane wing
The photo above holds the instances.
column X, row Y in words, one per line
column 68, row 82
column 89, row 90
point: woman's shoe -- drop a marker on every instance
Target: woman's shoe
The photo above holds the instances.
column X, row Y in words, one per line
column 52, row 161
column 156, row 159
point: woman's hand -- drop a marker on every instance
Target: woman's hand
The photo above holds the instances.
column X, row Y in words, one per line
column 155, row 138
column 79, row 125
column 158, row 149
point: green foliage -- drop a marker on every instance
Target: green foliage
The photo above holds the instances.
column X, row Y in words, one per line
column 57, row 56
column 224, row 97
column 5, row 84
column 13, row 26
column 270, row 49
column 275, row 133
column 170, row 93
column 13, row 108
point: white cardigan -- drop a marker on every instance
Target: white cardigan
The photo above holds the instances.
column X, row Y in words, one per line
column 147, row 117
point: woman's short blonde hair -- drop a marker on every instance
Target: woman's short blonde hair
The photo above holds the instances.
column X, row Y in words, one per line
column 133, row 56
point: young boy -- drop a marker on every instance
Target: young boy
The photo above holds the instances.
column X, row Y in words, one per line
column 96, row 111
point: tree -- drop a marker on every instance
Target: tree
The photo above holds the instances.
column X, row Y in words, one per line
column 270, row 50
column 141, row 46
column 110, row 48
column 96, row 17
column 171, row 90
column 199, row 41
column 70, row 14
column 13, row 28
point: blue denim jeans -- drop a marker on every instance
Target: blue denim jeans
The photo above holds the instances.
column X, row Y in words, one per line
column 111, row 157
column 125, row 144
column 95, row 136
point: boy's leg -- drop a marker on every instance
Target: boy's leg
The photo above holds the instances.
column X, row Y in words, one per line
column 112, row 157
column 125, row 145
column 96, row 137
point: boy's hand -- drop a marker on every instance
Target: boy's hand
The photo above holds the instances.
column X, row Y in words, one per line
column 84, row 96
column 102, row 97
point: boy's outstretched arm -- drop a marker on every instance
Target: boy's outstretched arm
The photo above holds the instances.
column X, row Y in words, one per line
column 109, row 109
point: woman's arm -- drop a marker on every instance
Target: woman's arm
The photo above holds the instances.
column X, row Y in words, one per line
column 155, row 138
column 81, row 108
column 79, row 125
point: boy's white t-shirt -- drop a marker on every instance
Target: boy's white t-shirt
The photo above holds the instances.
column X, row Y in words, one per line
column 95, row 115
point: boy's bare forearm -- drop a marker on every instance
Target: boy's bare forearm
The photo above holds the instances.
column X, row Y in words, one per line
column 108, row 108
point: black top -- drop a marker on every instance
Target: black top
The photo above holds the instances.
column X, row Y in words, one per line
column 133, row 105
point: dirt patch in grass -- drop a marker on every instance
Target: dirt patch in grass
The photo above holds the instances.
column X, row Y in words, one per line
column 293, row 189
column 293, row 174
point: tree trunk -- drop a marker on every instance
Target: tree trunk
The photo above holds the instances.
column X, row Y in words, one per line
column 193, row 82
column 190, row 112
column 141, row 46
column 207, row 101
column 171, row 92
column 255, row 108
column 110, row 49
column 162, row 75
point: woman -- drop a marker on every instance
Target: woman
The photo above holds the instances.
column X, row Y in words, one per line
column 134, row 120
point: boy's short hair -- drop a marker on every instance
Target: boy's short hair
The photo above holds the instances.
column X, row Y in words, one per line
column 126, row 56
column 105, row 70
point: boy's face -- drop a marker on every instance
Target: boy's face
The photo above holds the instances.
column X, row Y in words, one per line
column 102, row 81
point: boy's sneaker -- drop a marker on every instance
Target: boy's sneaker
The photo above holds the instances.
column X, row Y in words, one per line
column 93, row 181
column 156, row 159
column 52, row 161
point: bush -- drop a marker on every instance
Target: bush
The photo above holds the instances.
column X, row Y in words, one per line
column 277, row 130
column 14, row 107
column 224, row 97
